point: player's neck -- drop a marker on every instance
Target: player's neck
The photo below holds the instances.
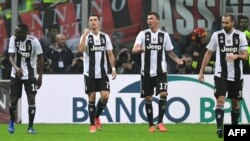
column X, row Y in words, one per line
column 95, row 31
column 154, row 30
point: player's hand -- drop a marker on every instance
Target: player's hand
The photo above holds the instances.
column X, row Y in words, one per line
column 19, row 72
column 39, row 82
column 201, row 77
column 231, row 57
column 113, row 73
column 180, row 61
column 138, row 49
column 85, row 32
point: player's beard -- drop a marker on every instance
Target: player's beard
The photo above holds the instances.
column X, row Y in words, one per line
column 227, row 29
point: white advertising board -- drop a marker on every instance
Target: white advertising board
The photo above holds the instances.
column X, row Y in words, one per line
column 62, row 99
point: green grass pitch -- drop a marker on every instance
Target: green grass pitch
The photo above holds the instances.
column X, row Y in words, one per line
column 110, row 132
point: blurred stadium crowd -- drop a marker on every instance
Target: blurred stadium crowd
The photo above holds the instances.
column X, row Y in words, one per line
column 56, row 48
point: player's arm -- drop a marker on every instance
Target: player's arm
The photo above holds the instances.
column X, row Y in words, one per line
column 112, row 63
column 82, row 45
column 137, row 48
column 174, row 57
column 19, row 71
column 40, row 70
column 205, row 61
column 242, row 56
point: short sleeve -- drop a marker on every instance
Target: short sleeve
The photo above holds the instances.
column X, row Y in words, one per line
column 12, row 48
column 168, row 44
column 38, row 47
column 212, row 43
column 140, row 37
column 109, row 45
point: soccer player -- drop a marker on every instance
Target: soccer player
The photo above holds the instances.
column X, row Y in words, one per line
column 24, row 50
column 230, row 46
column 153, row 44
column 96, row 45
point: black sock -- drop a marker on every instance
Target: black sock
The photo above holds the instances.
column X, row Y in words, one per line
column 100, row 106
column 91, row 108
column 149, row 111
column 12, row 113
column 32, row 112
column 162, row 109
column 235, row 114
column 219, row 113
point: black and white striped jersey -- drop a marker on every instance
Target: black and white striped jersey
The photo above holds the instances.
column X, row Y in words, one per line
column 225, row 44
column 26, row 55
column 153, row 60
column 95, row 58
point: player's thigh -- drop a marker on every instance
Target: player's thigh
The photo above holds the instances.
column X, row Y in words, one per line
column 161, row 83
column 16, row 87
column 103, row 84
column 90, row 84
column 30, row 86
column 235, row 89
column 221, row 87
column 147, row 86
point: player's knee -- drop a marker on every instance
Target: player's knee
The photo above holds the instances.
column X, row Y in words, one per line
column 31, row 99
column 163, row 94
column 148, row 99
column 13, row 102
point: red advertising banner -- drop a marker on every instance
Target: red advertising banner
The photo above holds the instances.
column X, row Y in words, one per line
column 66, row 17
column 34, row 22
column 124, row 17
column 3, row 36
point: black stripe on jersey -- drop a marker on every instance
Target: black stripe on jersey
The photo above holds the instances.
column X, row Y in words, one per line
column 221, row 40
column 27, row 59
column 103, row 43
column 19, row 56
column 147, row 54
column 159, row 54
column 237, row 71
column 91, row 56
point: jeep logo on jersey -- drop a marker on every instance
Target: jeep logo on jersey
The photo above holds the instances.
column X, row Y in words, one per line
column 229, row 49
column 97, row 48
column 154, row 47
column 24, row 54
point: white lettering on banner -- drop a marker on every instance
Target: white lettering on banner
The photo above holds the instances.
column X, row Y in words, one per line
column 185, row 25
column 98, row 8
column 206, row 13
column 36, row 19
column 187, row 20
column 61, row 15
column 3, row 102
column 115, row 7
column 164, row 5
column 78, row 11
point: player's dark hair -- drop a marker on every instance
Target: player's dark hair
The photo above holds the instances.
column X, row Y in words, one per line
column 231, row 17
column 155, row 14
column 95, row 15
column 24, row 27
